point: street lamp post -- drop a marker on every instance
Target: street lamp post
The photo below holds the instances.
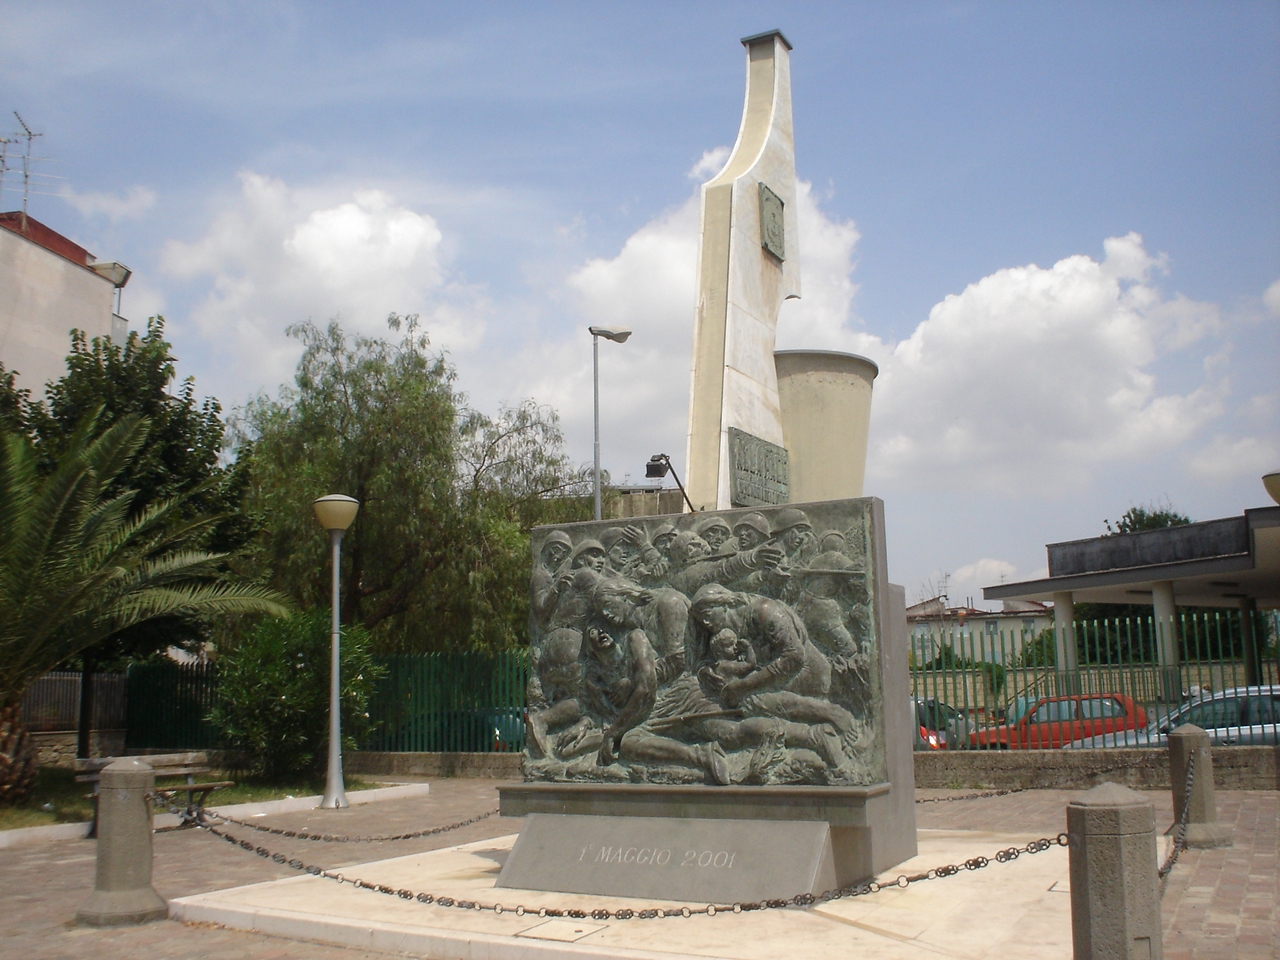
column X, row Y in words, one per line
column 335, row 513
column 617, row 335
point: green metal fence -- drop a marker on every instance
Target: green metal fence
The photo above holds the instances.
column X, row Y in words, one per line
column 447, row 702
column 472, row 702
column 982, row 678
column 168, row 704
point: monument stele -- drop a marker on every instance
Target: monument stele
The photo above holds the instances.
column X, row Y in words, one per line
column 748, row 263
column 718, row 706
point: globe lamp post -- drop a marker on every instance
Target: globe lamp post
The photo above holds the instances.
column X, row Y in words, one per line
column 335, row 513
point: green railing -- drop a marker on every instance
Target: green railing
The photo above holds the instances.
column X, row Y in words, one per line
column 986, row 678
column 447, row 702
column 168, row 706
column 450, row 702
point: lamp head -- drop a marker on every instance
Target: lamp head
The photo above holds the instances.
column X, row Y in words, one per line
column 616, row 334
column 335, row 512
column 657, row 466
column 1272, row 482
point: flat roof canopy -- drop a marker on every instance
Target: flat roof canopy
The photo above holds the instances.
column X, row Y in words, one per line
column 1216, row 563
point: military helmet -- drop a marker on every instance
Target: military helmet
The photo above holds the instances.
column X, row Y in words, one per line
column 755, row 521
column 790, row 517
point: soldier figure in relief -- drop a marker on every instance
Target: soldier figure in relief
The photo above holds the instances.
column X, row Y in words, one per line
column 739, row 649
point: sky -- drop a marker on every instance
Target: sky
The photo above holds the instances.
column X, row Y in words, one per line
column 1054, row 226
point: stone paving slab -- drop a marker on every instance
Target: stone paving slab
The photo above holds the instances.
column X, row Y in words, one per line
column 895, row 924
column 1219, row 903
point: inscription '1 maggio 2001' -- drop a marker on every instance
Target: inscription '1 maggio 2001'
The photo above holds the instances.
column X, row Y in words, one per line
column 657, row 857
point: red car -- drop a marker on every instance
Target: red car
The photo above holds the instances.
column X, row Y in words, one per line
column 1055, row 721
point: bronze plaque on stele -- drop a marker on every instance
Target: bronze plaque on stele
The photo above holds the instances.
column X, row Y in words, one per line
column 740, row 646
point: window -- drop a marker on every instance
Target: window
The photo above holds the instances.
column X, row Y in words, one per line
column 1100, row 708
column 1263, row 709
column 993, row 627
column 1028, row 626
column 935, row 715
column 1212, row 714
column 1055, row 711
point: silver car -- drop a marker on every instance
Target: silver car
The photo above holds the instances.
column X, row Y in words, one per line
column 1235, row 717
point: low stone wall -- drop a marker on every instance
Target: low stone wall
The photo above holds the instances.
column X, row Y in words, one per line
column 1234, row 768
column 57, row 748
column 500, row 766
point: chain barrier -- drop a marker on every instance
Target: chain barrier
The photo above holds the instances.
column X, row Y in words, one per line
column 1180, row 837
column 344, row 838
column 206, row 822
column 974, row 796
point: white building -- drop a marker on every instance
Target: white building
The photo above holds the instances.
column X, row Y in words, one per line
column 995, row 635
column 50, row 285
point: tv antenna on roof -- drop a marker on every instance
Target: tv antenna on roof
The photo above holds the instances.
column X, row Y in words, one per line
column 28, row 160
column 30, row 136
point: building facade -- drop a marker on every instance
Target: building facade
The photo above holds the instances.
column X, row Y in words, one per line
column 49, row 286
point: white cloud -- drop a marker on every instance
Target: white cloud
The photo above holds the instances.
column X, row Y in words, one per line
column 1231, row 458
column 968, row 580
column 822, row 318
column 1030, row 380
column 134, row 204
column 644, row 383
column 1272, row 299
column 711, row 163
column 649, row 287
column 1032, row 377
column 277, row 256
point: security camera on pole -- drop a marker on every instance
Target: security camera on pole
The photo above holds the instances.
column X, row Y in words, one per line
column 617, row 335
column 335, row 513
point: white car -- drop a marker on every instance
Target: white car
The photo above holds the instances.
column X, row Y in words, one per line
column 1235, row 717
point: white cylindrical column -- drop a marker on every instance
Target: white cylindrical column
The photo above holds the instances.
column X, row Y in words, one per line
column 1064, row 629
column 825, row 401
column 1166, row 626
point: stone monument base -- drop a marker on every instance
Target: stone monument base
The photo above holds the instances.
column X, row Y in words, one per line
column 697, row 861
column 857, row 825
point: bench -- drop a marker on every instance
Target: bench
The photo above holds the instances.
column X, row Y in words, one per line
column 189, row 765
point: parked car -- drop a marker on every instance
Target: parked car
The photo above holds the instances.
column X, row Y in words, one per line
column 941, row 726
column 1055, row 721
column 1238, row 716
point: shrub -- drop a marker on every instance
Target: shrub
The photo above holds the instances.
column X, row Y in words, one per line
column 273, row 695
column 1041, row 651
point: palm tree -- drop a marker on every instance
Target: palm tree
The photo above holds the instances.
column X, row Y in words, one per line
column 77, row 565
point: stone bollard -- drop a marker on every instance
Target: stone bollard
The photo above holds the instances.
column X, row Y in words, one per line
column 1203, row 829
column 1115, row 897
column 122, row 891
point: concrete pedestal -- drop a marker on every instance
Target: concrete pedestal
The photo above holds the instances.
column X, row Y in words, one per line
column 865, row 834
column 122, row 891
column 696, row 861
column 1115, row 897
column 1203, row 829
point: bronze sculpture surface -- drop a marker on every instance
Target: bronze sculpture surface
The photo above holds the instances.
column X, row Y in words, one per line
column 739, row 646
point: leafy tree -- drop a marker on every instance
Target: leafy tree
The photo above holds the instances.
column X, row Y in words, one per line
column 1040, row 651
column 13, row 402
column 1152, row 517
column 273, row 694
column 78, row 565
column 1121, row 632
column 180, row 457
column 438, row 557
column 947, row 659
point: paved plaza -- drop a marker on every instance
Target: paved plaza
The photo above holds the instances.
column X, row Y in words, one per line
column 1218, row 903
